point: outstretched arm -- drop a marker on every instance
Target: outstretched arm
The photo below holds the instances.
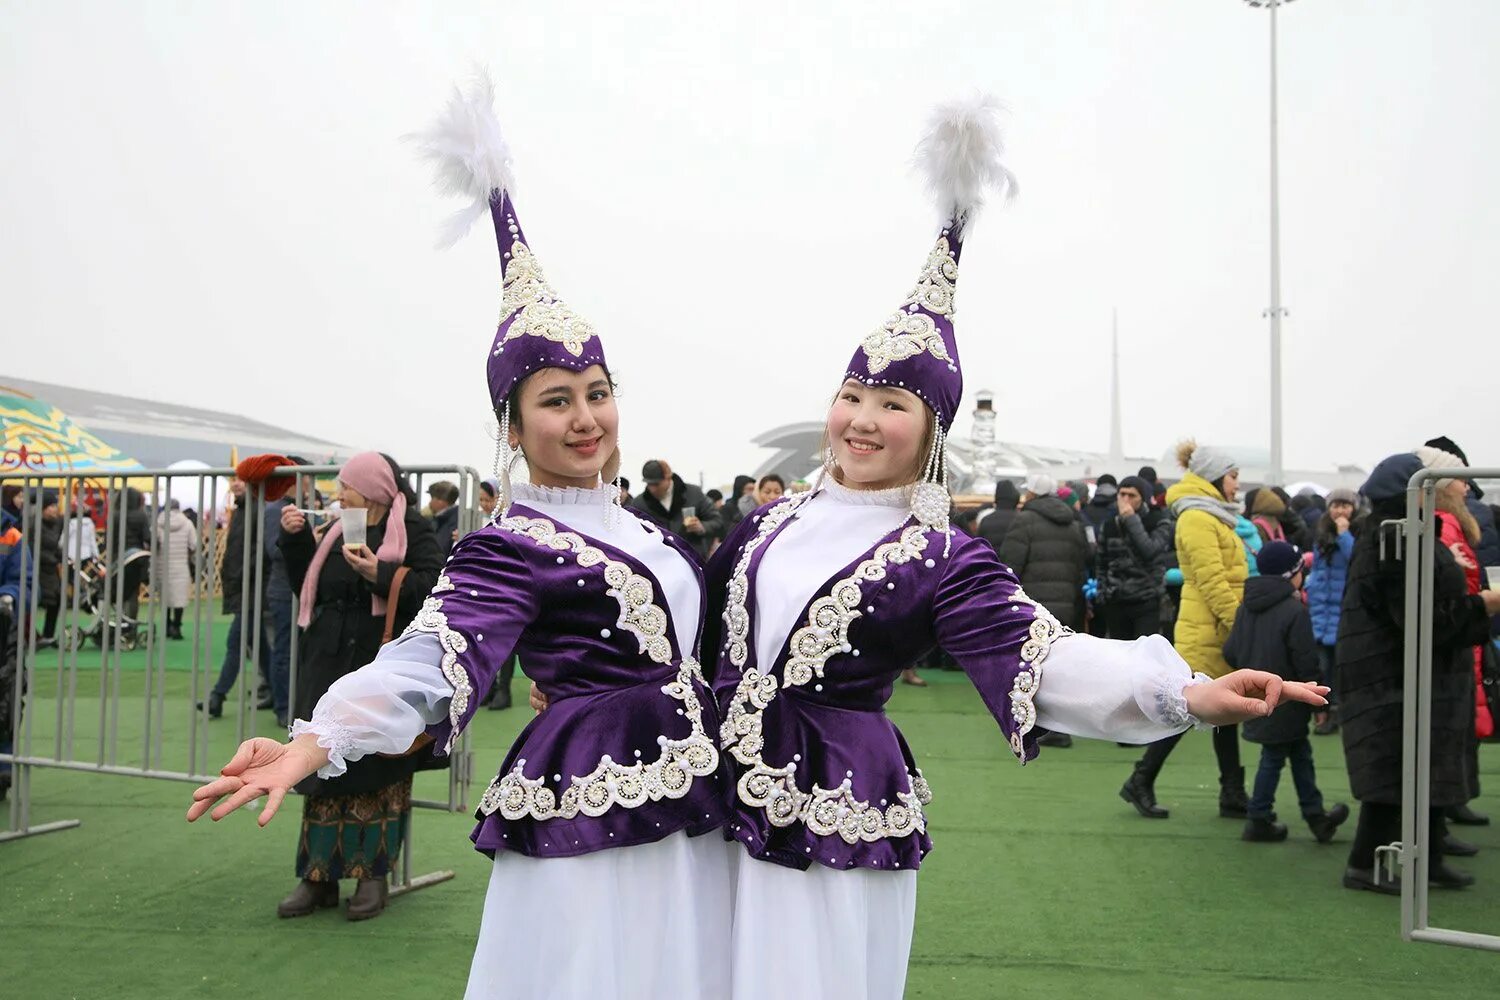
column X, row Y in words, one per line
column 422, row 688
column 1033, row 672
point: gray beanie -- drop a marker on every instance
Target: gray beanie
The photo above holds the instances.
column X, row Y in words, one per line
column 1211, row 463
column 1345, row 494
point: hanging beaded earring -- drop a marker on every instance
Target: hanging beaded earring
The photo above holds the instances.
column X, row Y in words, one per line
column 930, row 501
column 616, row 502
column 504, row 458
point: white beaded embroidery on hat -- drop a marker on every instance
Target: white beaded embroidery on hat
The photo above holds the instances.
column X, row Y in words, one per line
column 931, row 503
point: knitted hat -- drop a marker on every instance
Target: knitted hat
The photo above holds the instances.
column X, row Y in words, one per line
column 1343, row 495
column 258, row 469
column 1278, row 559
column 1437, row 458
column 1451, row 447
column 1137, row 483
column 1040, row 483
column 1210, row 463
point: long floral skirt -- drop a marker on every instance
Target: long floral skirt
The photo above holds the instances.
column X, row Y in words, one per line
column 353, row 836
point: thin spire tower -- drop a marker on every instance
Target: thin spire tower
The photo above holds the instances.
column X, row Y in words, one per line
column 1116, row 435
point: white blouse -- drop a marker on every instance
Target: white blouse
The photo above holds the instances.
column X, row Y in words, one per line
column 1099, row 688
column 385, row 706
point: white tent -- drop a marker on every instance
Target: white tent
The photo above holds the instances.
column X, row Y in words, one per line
column 185, row 490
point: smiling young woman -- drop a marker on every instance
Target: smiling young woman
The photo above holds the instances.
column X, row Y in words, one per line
column 566, row 425
column 878, row 436
column 824, row 597
column 601, row 805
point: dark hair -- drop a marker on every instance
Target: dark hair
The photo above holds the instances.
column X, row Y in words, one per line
column 714, row 495
column 444, row 491
column 772, row 478
column 487, row 489
column 624, row 484
column 402, row 483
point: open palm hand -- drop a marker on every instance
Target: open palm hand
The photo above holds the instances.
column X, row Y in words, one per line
column 261, row 766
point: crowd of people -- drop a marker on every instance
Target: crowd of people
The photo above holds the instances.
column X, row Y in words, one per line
column 1294, row 584
column 711, row 762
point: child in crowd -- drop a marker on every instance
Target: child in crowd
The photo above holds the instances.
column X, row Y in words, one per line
column 1273, row 631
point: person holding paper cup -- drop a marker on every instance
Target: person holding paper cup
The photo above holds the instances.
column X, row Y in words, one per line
column 352, row 825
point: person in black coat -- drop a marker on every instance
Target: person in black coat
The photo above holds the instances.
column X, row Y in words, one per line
column 678, row 507
column 1370, row 664
column 1131, row 562
column 49, row 568
column 1100, row 508
column 998, row 521
column 234, row 572
column 135, row 524
column 1273, row 631
column 1046, row 547
column 442, row 500
column 352, row 825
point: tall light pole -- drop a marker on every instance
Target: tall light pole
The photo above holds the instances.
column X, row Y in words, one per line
column 1276, row 311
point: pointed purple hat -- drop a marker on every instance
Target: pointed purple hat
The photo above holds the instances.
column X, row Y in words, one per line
column 537, row 328
column 960, row 158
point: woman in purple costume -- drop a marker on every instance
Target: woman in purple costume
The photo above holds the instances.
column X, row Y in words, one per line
column 603, row 884
column 821, row 598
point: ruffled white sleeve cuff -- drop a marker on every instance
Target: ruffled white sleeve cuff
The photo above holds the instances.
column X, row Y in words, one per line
column 1130, row 692
column 382, row 707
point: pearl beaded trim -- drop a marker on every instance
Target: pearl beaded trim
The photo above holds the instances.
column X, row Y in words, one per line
column 823, row 811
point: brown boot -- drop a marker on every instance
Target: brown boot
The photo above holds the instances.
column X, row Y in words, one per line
column 368, row 899
column 307, row 897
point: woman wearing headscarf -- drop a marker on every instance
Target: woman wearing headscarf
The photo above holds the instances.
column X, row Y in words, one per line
column 352, row 825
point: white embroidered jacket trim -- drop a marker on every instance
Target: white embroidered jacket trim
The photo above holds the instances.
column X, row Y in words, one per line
column 824, row 811
column 611, row 784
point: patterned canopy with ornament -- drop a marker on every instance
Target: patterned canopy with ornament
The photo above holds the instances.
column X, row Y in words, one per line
column 41, row 440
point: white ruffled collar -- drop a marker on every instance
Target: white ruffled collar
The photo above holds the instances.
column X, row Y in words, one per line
column 577, row 496
column 896, row 496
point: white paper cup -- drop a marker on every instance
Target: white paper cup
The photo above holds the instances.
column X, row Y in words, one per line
column 354, row 520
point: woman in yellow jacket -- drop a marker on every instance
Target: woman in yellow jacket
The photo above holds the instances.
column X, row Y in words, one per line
column 1214, row 567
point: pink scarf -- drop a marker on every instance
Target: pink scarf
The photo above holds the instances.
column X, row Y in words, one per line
column 370, row 474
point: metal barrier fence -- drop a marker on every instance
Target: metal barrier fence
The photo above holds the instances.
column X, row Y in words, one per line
column 102, row 608
column 1419, row 532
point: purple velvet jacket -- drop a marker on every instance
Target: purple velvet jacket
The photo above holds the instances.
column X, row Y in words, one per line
column 626, row 752
column 821, row 774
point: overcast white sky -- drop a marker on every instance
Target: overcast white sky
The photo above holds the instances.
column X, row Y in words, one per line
column 210, row 204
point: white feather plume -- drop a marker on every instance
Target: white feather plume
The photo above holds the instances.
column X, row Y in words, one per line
column 961, row 157
column 469, row 154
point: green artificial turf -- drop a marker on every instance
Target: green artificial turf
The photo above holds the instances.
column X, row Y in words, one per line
column 1042, row 884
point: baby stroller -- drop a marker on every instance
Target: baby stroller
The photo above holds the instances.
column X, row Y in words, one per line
column 96, row 588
